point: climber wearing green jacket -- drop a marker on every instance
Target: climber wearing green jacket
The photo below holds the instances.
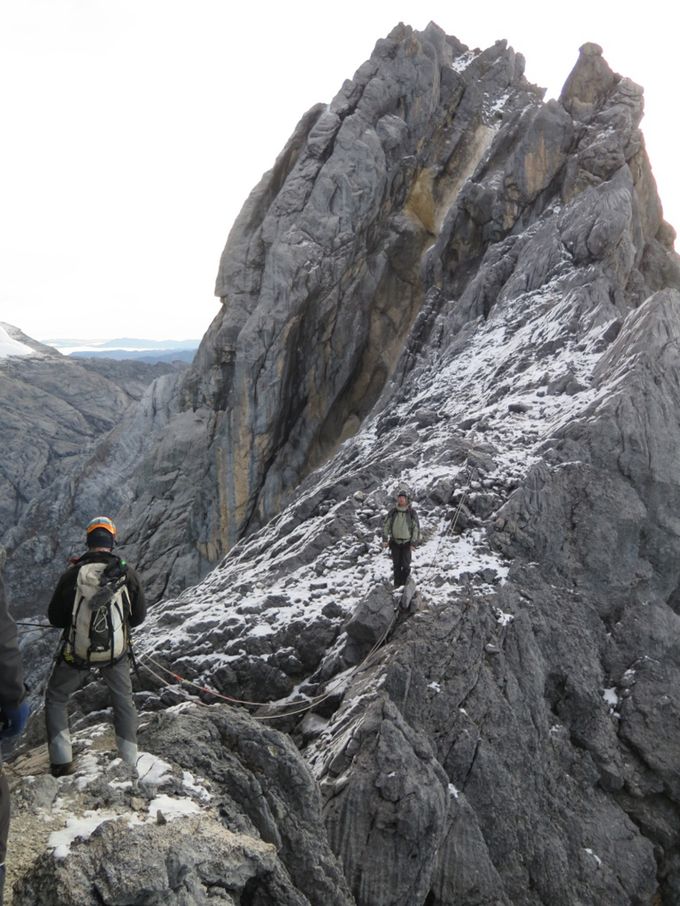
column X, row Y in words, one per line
column 401, row 531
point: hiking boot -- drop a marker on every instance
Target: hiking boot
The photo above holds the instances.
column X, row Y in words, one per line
column 62, row 770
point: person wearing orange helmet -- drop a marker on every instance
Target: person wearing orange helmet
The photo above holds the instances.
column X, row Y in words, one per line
column 96, row 602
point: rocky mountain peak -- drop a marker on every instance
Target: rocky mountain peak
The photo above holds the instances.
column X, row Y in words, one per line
column 590, row 83
column 14, row 341
column 448, row 284
column 433, row 175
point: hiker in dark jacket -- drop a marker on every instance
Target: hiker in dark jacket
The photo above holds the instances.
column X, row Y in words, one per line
column 401, row 531
column 70, row 671
column 14, row 711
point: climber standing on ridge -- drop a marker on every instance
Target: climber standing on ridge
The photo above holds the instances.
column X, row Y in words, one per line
column 401, row 531
column 14, row 710
column 95, row 602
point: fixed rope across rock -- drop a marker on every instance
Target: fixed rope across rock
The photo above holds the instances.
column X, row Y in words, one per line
column 143, row 660
column 308, row 705
column 452, row 523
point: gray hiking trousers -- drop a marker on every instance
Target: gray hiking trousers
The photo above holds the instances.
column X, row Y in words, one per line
column 63, row 682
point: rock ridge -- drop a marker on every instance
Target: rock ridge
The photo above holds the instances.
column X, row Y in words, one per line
column 505, row 730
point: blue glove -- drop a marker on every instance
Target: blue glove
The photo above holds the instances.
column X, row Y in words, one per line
column 14, row 720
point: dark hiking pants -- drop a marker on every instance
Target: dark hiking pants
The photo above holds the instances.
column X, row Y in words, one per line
column 4, row 828
column 401, row 561
column 63, row 682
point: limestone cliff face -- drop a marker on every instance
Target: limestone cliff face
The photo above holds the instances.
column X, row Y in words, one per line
column 478, row 292
column 54, row 411
column 421, row 182
column 321, row 281
column 321, row 277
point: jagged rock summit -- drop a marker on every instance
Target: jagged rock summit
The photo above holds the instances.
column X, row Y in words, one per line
column 447, row 283
column 223, row 811
column 321, row 282
column 432, row 161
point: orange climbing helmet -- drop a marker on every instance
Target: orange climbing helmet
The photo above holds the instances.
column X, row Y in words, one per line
column 101, row 532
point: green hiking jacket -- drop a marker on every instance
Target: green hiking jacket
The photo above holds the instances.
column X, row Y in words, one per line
column 401, row 525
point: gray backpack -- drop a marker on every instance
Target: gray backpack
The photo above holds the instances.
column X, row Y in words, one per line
column 99, row 620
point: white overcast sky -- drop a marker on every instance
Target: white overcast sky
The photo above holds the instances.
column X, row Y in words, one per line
column 135, row 129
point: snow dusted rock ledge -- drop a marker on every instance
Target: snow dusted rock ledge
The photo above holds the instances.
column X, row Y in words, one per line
column 10, row 346
column 227, row 811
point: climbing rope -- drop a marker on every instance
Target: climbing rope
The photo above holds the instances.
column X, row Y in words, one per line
column 313, row 702
column 27, row 629
column 144, row 660
column 44, row 626
column 184, row 681
column 452, row 522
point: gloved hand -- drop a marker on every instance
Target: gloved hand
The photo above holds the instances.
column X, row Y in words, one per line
column 14, row 720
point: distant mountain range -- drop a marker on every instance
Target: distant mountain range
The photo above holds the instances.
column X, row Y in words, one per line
column 140, row 349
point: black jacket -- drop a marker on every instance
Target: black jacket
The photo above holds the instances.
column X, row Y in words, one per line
column 11, row 672
column 61, row 606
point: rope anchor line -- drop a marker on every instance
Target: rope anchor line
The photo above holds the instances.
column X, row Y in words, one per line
column 312, row 702
column 315, row 700
column 452, row 523
column 44, row 626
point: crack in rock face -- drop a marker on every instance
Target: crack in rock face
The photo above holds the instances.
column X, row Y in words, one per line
column 448, row 286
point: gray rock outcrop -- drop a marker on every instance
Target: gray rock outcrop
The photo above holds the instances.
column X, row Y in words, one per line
column 448, row 284
column 223, row 810
column 320, row 283
column 54, row 411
